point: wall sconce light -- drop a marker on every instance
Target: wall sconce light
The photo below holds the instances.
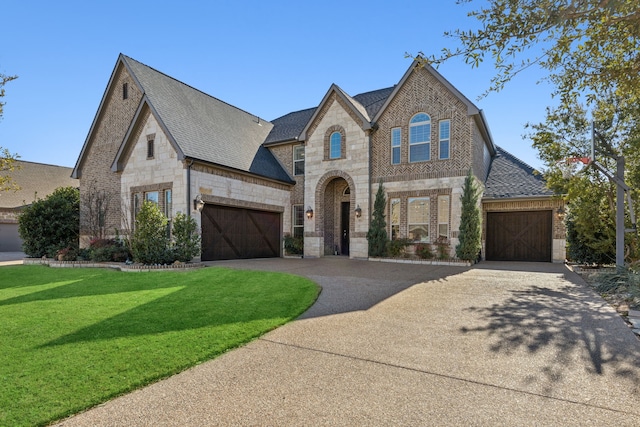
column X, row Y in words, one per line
column 309, row 212
column 560, row 211
column 198, row 203
column 358, row 211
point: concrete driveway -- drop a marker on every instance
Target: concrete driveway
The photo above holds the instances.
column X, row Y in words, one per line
column 399, row 344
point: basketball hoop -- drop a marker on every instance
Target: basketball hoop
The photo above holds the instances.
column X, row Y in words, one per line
column 568, row 166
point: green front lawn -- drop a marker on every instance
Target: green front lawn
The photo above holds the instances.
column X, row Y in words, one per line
column 72, row 338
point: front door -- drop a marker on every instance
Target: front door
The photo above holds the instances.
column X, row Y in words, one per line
column 344, row 226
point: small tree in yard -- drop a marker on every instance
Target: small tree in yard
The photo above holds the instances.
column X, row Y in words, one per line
column 469, row 244
column 150, row 242
column 186, row 240
column 377, row 234
column 51, row 224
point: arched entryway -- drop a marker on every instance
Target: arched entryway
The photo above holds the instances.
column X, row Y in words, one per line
column 335, row 194
column 336, row 227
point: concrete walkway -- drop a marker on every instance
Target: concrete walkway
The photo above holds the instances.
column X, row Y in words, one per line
column 11, row 258
column 400, row 344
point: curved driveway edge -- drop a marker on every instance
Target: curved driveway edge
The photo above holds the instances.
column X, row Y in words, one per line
column 402, row 344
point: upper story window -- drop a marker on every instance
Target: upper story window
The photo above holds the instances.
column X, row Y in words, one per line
column 445, row 139
column 335, row 145
column 298, row 160
column 150, row 149
column 420, row 138
column 125, row 90
column 396, row 138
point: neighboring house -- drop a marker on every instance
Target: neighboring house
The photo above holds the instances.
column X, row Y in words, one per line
column 36, row 181
column 311, row 173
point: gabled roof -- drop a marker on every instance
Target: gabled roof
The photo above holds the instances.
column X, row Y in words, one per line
column 357, row 108
column 510, row 177
column 198, row 125
column 36, row 181
column 289, row 127
column 205, row 128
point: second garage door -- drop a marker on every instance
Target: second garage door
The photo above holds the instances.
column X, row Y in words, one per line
column 519, row 236
column 236, row 233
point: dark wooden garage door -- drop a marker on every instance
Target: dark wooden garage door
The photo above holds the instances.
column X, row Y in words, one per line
column 519, row 236
column 235, row 233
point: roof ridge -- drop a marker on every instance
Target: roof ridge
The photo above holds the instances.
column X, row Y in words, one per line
column 194, row 88
column 43, row 164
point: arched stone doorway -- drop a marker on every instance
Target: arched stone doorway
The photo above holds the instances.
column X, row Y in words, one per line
column 335, row 194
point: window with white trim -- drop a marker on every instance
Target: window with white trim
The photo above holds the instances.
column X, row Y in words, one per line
column 445, row 139
column 418, row 219
column 298, row 160
column 420, row 138
column 443, row 216
column 335, row 145
column 297, row 221
column 396, row 138
column 394, row 215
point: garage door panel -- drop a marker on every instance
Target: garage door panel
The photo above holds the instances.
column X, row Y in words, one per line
column 10, row 240
column 519, row 236
column 236, row 233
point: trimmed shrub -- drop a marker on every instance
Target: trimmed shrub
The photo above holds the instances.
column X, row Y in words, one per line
column 149, row 242
column 377, row 234
column 398, row 247
column 186, row 240
column 51, row 224
column 293, row 245
column 469, row 245
column 423, row 251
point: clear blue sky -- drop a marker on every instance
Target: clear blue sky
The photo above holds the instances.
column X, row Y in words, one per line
column 268, row 58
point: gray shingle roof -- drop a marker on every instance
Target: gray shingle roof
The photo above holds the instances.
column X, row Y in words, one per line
column 511, row 177
column 36, row 181
column 205, row 128
column 289, row 126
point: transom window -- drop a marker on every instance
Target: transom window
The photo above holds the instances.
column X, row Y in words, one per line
column 298, row 160
column 420, row 138
column 396, row 138
column 418, row 219
column 335, row 145
column 445, row 138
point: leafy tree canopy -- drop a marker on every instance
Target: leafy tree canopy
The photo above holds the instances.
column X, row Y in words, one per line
column 4, row 79
column 589, row 47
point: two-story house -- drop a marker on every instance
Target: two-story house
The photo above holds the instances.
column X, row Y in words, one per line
column 312, row 173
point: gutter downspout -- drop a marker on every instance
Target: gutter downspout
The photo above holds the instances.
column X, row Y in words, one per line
column 189, row 164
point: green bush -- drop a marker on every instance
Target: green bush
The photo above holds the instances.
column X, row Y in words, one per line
column 469, row 245
column 149, row 242
column 105, row 250
column 377, row 234
column 423, row 251
column 398, row 247
column 186, row 240
column 51, row 224
column 293, row 245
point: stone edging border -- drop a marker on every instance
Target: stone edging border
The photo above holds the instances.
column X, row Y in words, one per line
column 458, row 263
column 115, row 265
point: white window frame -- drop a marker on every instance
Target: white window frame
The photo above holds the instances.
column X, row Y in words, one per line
column 298, row 158
column 413, row 225
column 295, row 225
column 443, row 140
column 415, row 144
column 443, row 216
column 396, row 145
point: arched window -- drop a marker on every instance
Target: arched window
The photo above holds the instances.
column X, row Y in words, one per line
column 420, row 138
column 335, row 145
